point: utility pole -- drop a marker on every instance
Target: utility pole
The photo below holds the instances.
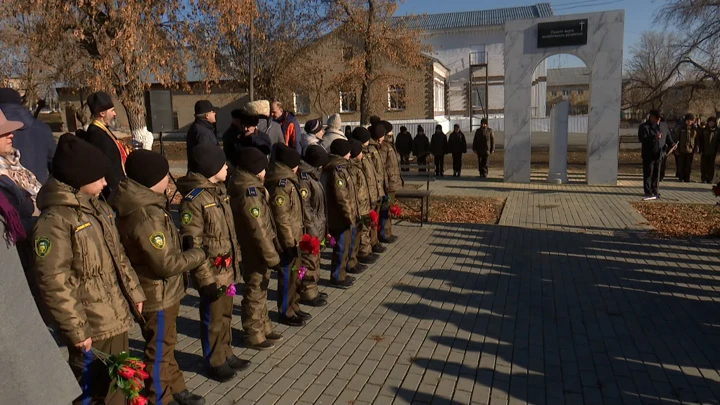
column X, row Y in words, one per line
column 252, row 64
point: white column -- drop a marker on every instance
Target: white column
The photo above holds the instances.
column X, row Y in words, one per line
column 558, row 143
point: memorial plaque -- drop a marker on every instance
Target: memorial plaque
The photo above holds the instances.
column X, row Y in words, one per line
column 562, row 33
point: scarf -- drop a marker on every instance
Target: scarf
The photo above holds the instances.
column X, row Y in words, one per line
column 10, row 166
column 120, row 146
column 14, row 230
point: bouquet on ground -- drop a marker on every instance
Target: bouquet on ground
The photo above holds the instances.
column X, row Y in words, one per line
column 127, row 374
column 309, row 244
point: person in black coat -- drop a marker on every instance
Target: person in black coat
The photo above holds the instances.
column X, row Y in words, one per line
column 483, row 146
column 665, row 129
column 457, row 146
column 243, row 133
column 99, row 135
column 421, row 147
column 404, row 146
column 438, row 147
column 34, row 140
column 202, row 131
column 654, row 145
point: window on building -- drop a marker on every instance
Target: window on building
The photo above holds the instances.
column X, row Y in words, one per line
column 348, row 101
column 554, row 93
column 478, row 97
column 566, row 92
column 580, row 92
column 347, row 53
column 439, row 95
column 301, row 102
column 396, row 97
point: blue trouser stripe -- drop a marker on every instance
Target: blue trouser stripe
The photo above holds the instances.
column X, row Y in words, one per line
column 85, row 399
column 384, row 214
column 286, row 280
column 205, row 322
column 352, row 242
column 158, row 356
column 341, row 249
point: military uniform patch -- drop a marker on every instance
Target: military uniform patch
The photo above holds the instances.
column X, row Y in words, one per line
column 209, row 205
column 303, row 176
column 83, row 226
column 157, row 240
column 282, row 182
column 42, row 246
column 185, row 217
column 251, row 192
column 338, row 168
column 255, row 212
column 279, row 201
column 192, row 194
column 304, row 193
column 340, row 183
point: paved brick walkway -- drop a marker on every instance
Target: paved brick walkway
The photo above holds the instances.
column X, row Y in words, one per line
column 556, row 305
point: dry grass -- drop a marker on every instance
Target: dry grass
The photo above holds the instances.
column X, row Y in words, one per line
column 453, row 209
column 681, row 220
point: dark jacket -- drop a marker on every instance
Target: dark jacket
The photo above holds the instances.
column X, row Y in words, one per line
column 285, row 205
column 200, row 132
column 484, row 142
column 438, row 144
column 709, row 141
column 314, row 203
column 107, row 143
column 421, row 145
column 234, row 140
column 34, row 140
column 404, row 143
column 457, row 143
column 652, row 146
column 687, row 137
column 292, row 131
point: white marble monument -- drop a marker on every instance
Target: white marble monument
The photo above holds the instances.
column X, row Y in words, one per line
column 602, row 54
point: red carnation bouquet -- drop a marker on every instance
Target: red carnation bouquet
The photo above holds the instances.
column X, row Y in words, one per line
column 310, row 244
column 374, row 219
column 127, row 373
column 395, row 211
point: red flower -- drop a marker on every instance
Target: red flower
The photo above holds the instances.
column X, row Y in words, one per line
column 142, row 374
column 309, row 244
column 139, row 400
column 135, row 385
column 126, row 372
column 136, row 364
column 374, row 219
column 395, row 211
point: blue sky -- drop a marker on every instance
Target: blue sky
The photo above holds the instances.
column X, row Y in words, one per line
column 639, row 15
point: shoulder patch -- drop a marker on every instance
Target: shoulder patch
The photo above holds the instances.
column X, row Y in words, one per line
column 209, row 205
column 304, row 193
column 303, row 175
column 186, row 217
column 338, row 168
column 157, row 240
column 226, row 199
column 255, row 212
column 192, row 194
column 279, row 201
column 282, row 182
column 83, row 226
column 251, row 192
column 42, row 246
column 340, row 183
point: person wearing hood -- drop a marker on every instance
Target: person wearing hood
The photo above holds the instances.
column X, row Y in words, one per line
column 206, row 221
column 421, row 147
column 379, row 132
column 99, row 135
column 202, row 131
column 244, row 133
column 333, row 131
column 342, row 210
column 315, row 221
column 255, row 229
column 404, row 146
column 362, row 197
column 709, row 144
column 438, row 147
column 84, row 276
column 292, row 131
column 688, row 147
column 34, row 140
column 286, row 206
column 266, row 124
column 483, row 146
column 370, row 246
column 154, row 247
column 457, row 146
column 312, row 135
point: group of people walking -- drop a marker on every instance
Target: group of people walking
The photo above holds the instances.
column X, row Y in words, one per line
column 104, row 250
column 684, row 140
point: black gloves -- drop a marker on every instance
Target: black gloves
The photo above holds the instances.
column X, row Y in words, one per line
column 209, row 291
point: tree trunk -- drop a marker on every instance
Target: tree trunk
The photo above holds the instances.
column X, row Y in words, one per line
column 365, row 92
column 133, row 100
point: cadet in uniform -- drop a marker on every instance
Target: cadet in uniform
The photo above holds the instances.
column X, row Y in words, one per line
column 154, row 247
column 255, row 229
column 393, row 182
column 370, row 246
column 286, row 206
column 709, row 145
column 315, row 216
column 83, row 275
column 378, row 133
column 362, row 198
column 206, row 221
column 687, row 148
column 342, row 210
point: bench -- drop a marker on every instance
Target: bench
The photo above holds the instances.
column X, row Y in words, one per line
column 422, row 195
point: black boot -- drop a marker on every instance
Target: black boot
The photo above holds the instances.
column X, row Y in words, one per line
column 359, row 268
column 369, row 259
column 222, row 373
column 294, row 321
column 318, row 301
column 322, row 294
column 379, row 248
column 303, row 315
column 274, row 337
column 347, row 283
column 390, row 239
column 237, row 363
column 187, row 398
column 265, row 345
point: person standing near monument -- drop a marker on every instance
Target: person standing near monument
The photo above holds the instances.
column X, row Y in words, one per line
column 665, row 129
column 421, row 148
column 457, row 146
column 438, row 147
column 709, row 144
column 483, row 146
column 202, row 131
column 687, row 148
column 653, row 141
column 404, row 146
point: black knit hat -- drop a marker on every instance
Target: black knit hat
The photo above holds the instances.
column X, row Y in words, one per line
column 251, row 159
column 236, row 114
column 204, row 107
column 313, row 126
column 388, row 126
column 209, row 159
column 361, row 134
column 377, row 131
column 287, row 155
column 248, row 120
column 78, row 163
column 689, row 117
column 374, row 119
column 99, row 102
column 340, row 147
column 713, row 119
column 420, row 128
column 10, row 96
column 146, row 167
column 316, row 156
column 355, row 148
